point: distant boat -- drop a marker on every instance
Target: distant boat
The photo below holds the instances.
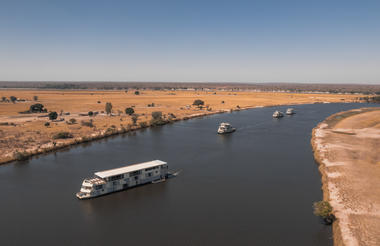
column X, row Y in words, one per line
column 225, row 128
column 277, row 114
column 290, row 111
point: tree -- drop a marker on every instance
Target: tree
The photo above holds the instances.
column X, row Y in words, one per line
column 53, row 115
column 137, row 93
column 323, row 209
column 90, row 113
column 35, row 98
column 108, row 107
column 47, row 124
column 198, row 102
column 37, row 108
column 135, row 117
column 129, row 111
column 13, row 99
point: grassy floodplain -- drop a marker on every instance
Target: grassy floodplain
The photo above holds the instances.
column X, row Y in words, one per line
column 27, row 134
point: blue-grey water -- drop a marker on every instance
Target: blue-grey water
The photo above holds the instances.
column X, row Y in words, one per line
column 253, row 187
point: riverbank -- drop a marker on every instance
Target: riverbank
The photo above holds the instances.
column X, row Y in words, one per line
column 346, row 146
column 27, row 134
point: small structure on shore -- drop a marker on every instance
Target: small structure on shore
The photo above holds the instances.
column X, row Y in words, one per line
column 225, row 128
column 278, row 114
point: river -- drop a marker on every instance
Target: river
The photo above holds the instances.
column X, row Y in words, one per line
column 253, row 187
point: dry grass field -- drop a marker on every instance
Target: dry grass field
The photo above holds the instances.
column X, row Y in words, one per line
column 26, row 134
column 347, row 145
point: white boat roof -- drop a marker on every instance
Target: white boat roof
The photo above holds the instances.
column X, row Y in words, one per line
column 129, row 168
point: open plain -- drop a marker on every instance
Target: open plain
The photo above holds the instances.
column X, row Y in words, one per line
column 25, row 134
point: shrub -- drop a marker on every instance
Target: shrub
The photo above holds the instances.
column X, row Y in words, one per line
column 198, row 102
column 53, row 115
column 134, row 118
column 35, row 98
column 62, row 135
column 143, row 124
column 47, row 124
column 87, row 123
column 157, row 115
column 129, row 111
column 3, row 99
column 37, row 108
column 137, row 93
column 323, row 209
column 222, row 102
column 99, row 101
column 151, row 105
column 90, row 113
column 72, row 121
column 172, row 116
column 13, row 99
column 20, row 156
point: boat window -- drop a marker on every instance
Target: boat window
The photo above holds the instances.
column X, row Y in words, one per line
column 98, row 187
column 135, row 173
column 148, row 175
column 151, row 168
column 116, row 177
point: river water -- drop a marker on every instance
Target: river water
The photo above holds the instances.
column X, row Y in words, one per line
column 253, row 187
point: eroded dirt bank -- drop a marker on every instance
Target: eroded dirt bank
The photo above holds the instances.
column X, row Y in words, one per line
column 347, row 147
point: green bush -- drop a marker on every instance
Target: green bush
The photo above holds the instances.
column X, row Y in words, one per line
column 323, row 209
column 137, row 93
column 198, row 102
column 62, row 135
column 129, row 111
column 37, row 108
column 53, row 115
column 90, row 113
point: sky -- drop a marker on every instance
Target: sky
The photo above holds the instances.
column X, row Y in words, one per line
column 304, row 41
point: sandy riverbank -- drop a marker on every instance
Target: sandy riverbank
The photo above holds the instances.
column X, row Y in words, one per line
column 347, row 147
column 27, row 133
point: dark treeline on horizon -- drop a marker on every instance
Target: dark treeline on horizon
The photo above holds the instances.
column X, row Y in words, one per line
column 291, row 87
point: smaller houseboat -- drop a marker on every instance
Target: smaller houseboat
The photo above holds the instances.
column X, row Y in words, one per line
column 117, row 179
column 277, row 114
column 290, row 111
column 225, row 128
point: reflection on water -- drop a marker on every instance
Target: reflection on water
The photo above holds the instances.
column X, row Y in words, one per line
column 252, row 187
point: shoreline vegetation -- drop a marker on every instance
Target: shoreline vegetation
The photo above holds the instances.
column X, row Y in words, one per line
column 346, row 148
column 34, row 122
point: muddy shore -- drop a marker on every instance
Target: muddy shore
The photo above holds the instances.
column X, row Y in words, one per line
column 346, row 147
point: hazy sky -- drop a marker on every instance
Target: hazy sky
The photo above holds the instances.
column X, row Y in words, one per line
column 193, row 40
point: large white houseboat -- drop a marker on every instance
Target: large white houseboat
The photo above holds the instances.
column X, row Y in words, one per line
column 122, row 178
column 225, row 128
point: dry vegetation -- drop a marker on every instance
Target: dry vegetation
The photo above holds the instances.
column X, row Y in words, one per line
column 347, row 145
column 31, row 133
